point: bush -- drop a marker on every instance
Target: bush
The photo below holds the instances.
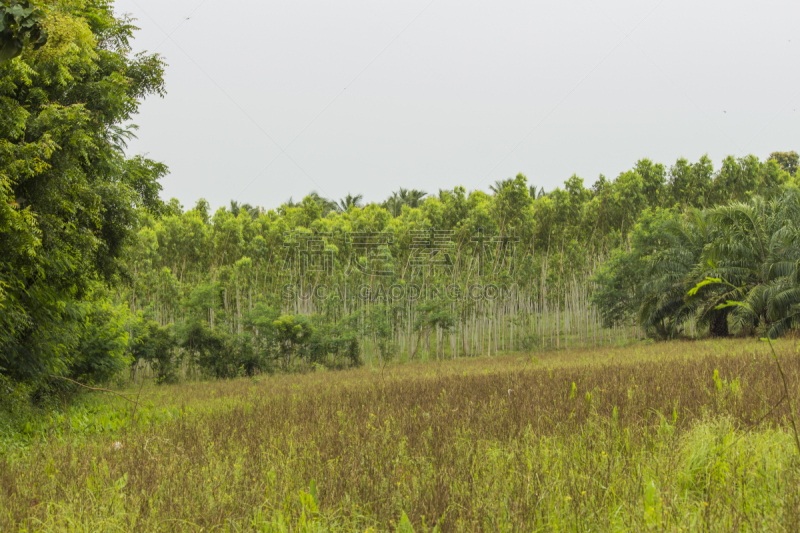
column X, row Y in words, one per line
column 207, row 347
column 156, row 345
column 102, row 345
column 334, row 346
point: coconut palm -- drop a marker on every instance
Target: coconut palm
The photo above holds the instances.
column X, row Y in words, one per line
column 236, row 208
column 326, row 204
column 349, row 201
column 412, row 198
column 393, row 204
column 499, row 185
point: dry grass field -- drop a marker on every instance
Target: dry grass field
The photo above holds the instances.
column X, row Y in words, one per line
column 682, row 436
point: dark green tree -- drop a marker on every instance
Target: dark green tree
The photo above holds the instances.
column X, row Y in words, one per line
column 69, row 197
column 788, row 161
column 155, row 345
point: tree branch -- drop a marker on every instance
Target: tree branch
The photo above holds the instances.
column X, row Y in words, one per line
column 96, row 389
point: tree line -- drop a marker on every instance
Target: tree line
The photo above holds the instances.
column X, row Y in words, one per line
column 560, row 263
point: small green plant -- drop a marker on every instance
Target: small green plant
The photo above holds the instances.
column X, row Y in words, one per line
column 787, row 396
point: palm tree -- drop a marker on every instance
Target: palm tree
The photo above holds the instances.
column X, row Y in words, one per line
column 756, row 260
column 349, row 201
column 326, row 204
column 253, row 211
column 731, row 266
column 499, row 185
column 671, row 273
column 532, row 191
column 393, row 204
column 412, row 198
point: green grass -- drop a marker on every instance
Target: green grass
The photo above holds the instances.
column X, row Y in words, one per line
column 660, row 437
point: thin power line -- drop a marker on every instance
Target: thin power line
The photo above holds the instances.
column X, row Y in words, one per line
column 283, row 150
column 773, row 118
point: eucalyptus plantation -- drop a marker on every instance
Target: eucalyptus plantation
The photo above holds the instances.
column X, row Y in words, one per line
column 457, row 275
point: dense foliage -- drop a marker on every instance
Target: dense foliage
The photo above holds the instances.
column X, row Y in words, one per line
column 101, row 281
column 69, row 197
column 731, row 268
column 564, row 265
column 20, row 22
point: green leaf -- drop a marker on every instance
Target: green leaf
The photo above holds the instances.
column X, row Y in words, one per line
column 10, row 49
column 41, row 38
column 17, row 11
column 405, row 524
column 730, row 303
column 707, row 281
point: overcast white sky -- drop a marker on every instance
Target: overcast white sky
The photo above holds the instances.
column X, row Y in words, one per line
column 268, row 100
